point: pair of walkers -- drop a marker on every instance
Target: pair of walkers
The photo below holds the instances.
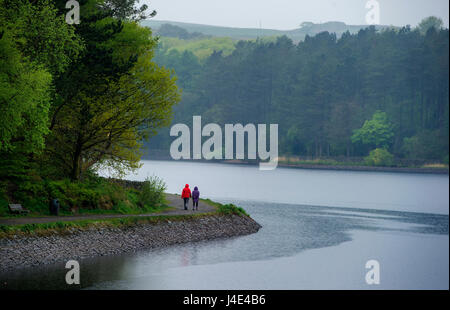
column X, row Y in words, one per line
column 186, row 194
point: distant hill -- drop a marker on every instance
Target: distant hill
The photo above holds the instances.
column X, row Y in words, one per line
column 173, row 31
column 296, row 35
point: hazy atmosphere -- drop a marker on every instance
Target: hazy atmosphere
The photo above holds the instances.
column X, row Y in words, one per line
column 289, row 14
column 224, row 145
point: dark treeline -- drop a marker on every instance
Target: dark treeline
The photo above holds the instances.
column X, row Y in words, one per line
column 331, row 97
column 168, row 30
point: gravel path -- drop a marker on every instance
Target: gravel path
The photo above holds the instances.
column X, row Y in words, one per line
column 175, row 202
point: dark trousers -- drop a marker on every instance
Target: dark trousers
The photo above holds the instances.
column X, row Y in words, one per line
column 194, row 204
column 186, row 201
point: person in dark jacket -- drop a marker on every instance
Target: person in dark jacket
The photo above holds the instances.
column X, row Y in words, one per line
column 195, row 197
column 185, row 195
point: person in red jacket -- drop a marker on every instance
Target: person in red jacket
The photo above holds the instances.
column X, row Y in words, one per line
column 185, row 195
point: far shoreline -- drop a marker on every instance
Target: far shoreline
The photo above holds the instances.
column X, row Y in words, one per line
column 440, row 171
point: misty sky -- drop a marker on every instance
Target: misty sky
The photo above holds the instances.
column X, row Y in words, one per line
column 289, row 14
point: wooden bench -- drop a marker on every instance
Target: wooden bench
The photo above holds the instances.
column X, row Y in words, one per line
column 17, row 208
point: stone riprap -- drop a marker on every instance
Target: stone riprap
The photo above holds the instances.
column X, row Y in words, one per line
column 20, row 251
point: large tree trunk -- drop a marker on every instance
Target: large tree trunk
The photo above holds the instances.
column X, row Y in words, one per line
column 75, row 173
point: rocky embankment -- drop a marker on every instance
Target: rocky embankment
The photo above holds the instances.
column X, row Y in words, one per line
column 26, row 251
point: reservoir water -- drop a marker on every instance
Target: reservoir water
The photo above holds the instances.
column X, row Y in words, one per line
column 319, row 230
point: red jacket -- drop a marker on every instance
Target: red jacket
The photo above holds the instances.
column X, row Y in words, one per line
column 186, row 193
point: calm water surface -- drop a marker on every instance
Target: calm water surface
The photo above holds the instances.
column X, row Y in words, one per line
column 319, row 230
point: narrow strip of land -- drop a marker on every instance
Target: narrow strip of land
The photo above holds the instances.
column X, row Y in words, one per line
column 174, row 201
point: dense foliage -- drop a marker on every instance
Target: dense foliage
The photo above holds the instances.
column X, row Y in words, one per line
column 83, row 96
column 75, row 98
column 331, row 97
column 93, row 195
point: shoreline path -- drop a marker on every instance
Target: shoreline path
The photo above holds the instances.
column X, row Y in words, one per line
column 174, row 201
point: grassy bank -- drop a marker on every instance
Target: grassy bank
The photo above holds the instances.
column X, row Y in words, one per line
column 226, row 209
column 60, row 227
column 361, row 162
column 94, row 195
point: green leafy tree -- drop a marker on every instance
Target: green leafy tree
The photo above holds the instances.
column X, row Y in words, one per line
column 36, row 44
column 41, row 33
column 108, row 130
column 377, row 131
column 24, row 100
column 127, row 9
column 428, row 23
column 111, row 99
